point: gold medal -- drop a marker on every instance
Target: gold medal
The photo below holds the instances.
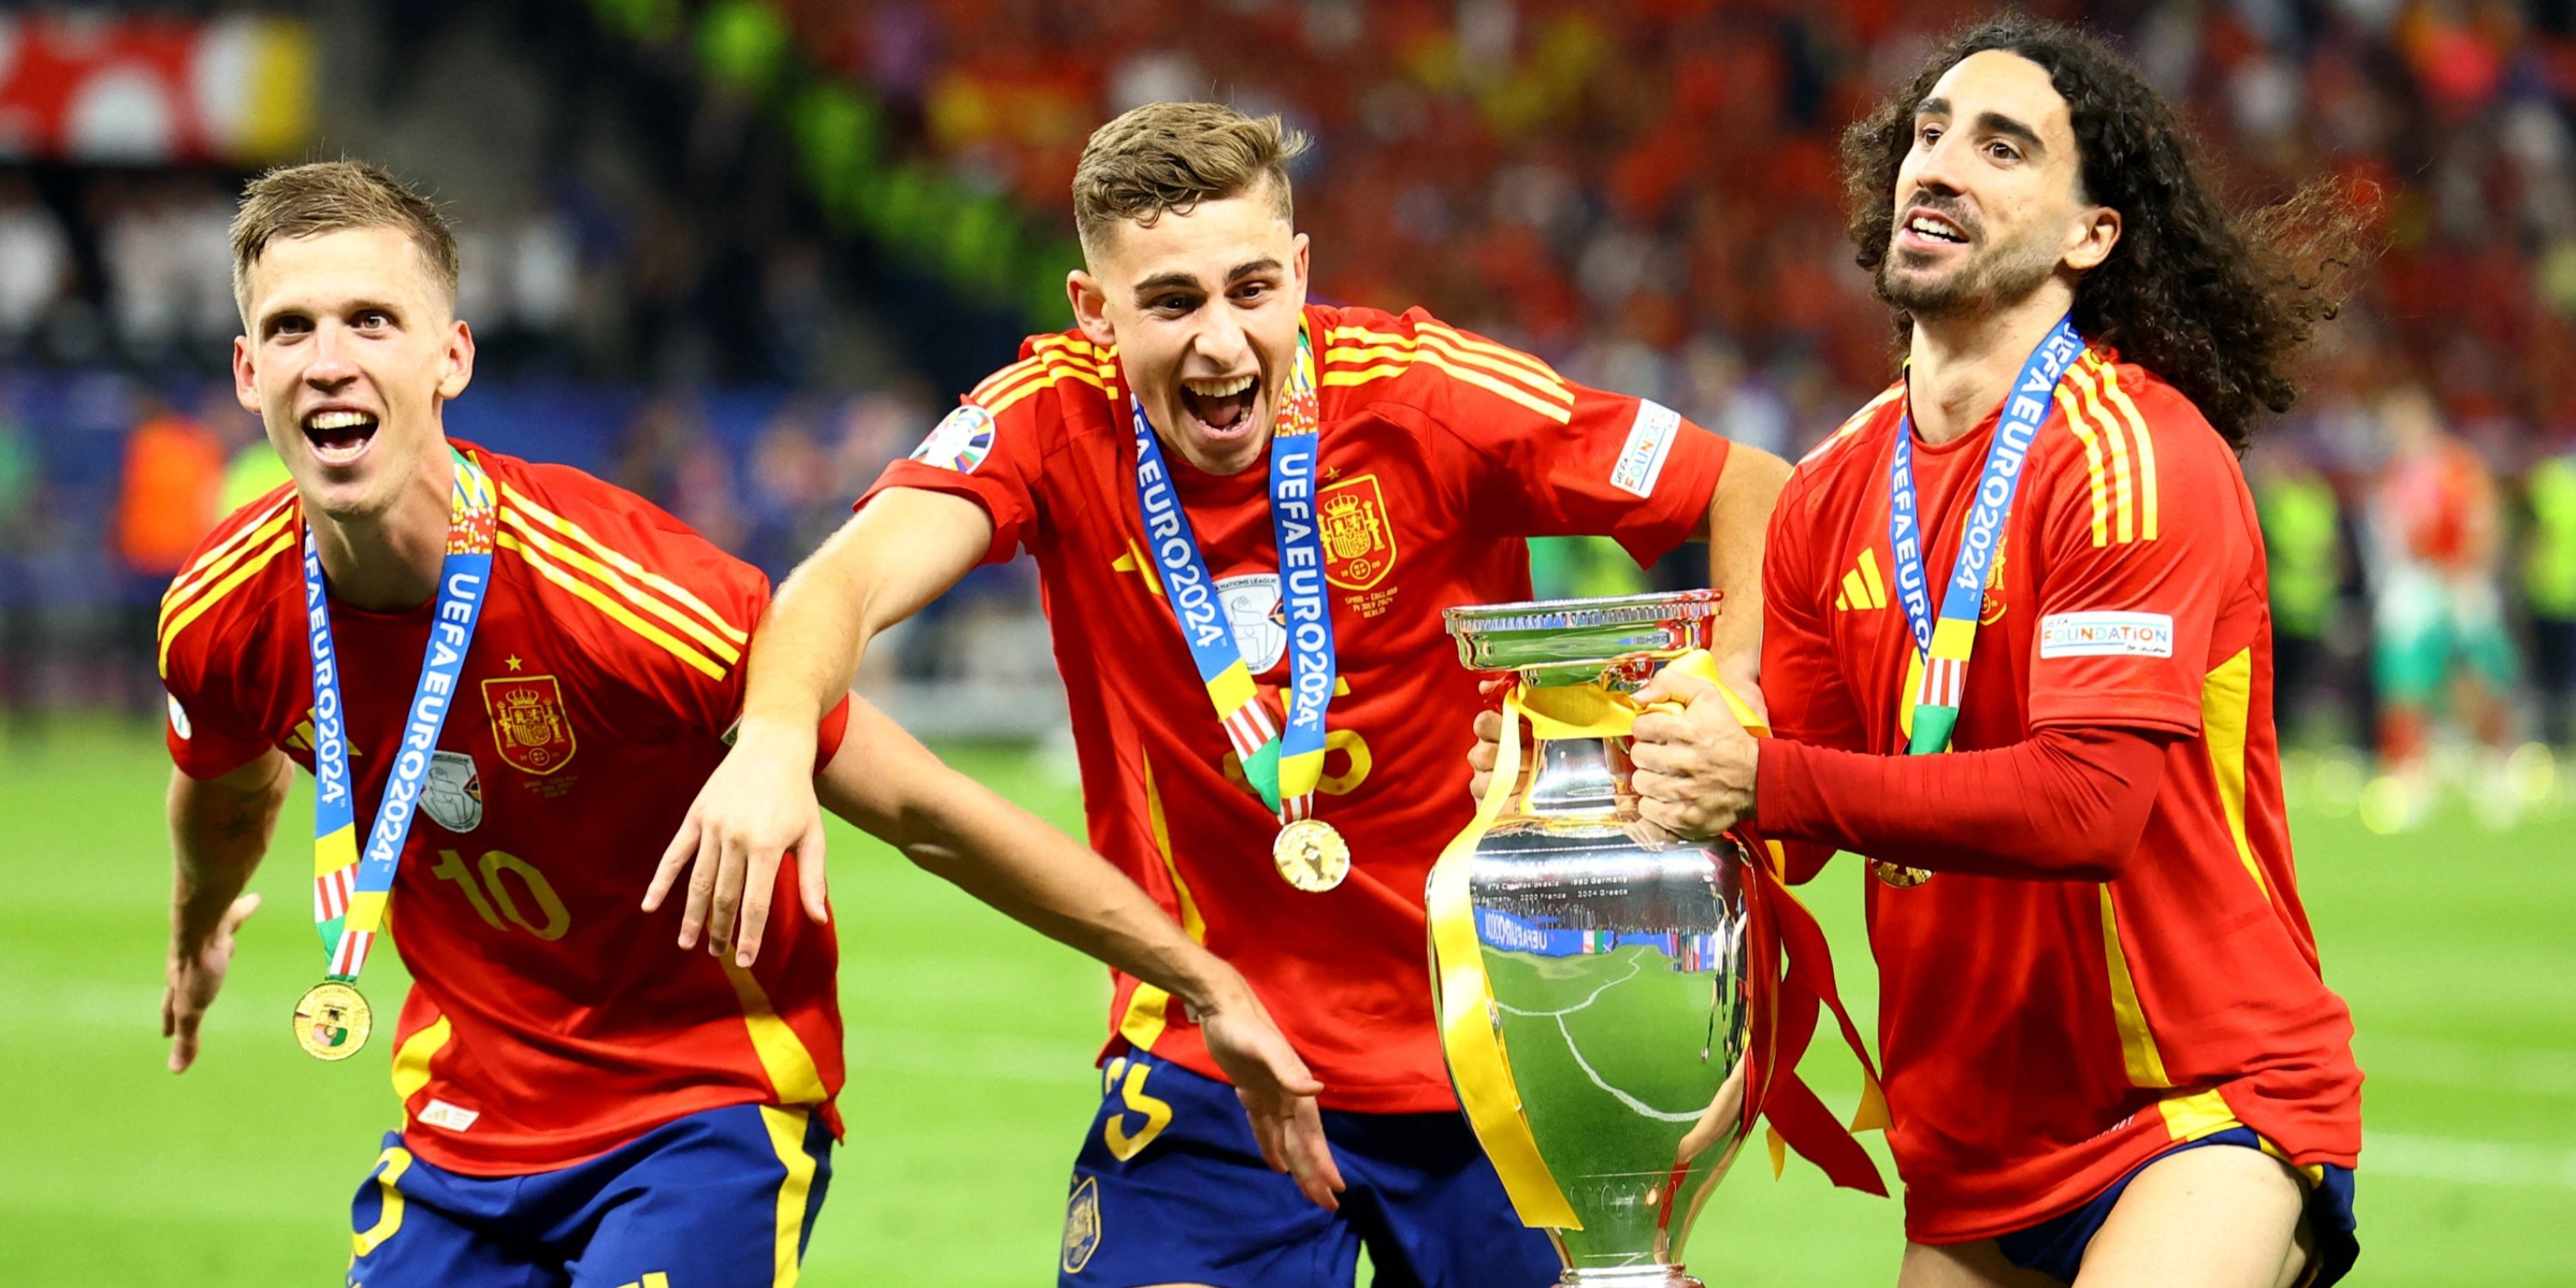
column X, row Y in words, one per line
column 1897, row 874
column 332, row 1021
column 1311, row 856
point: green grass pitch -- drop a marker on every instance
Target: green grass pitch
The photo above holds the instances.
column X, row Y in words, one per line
column 970, row 1041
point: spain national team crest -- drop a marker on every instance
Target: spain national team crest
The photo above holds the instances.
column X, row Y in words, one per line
column 1081, row 1225
column 529, row 727
column 1359, row 543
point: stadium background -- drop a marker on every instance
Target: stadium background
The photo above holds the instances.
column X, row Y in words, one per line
column 736, row 255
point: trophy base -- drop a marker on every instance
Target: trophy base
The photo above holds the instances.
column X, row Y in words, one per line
column 1645, row 1276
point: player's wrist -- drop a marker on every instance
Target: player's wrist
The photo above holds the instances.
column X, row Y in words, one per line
column 778, row 732
column 1217, row 989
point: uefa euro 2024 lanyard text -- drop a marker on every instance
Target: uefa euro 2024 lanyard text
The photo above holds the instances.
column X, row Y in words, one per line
column 1284, row 766
column 1939, row 674
column 350, row 889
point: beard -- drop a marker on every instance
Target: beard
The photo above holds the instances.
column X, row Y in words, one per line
column 1998, row 277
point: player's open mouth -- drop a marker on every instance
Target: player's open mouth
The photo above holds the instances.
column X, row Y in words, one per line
column 1221, row 407
column 339, row 437
column 1925, row 229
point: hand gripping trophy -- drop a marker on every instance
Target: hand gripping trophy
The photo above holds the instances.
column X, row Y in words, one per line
column 1607, row 995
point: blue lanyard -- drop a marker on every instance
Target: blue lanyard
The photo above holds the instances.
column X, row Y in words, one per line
column 1945, row 651
column 1284, row 768
column 464, row 578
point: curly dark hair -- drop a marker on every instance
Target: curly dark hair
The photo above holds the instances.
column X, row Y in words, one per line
column 2214, row 303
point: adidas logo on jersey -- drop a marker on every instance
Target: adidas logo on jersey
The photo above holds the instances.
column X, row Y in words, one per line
column 1862, row 586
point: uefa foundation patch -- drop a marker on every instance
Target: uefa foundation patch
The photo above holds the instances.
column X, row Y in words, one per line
column 2106, row 635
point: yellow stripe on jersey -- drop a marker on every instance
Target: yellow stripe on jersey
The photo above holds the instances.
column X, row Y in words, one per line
column 1501, row 388
column 1366, row 336
column 608, row 577
column 1055, row 367
column 1135, row 561
column 1483, row 356
column 2226, row 699
column 1002, row 379
column 1397, row 353
column 257, row 560
column 2126, row 488
column 411, row 1060
column 1451, row 351
column 210, row 565
column 2139, row 434
column 213, row 569
column 2083, row 431
column 678, row 594
column 782, row 1054
column 2197, row 1116
column 1334, row 377
column 2124, row 504
column 1443, row 330
column 1148, row 1008
column 617, row 612
column 1103, row 362
column 1360, row 344
column 2146, row 1065
column 787, row 1140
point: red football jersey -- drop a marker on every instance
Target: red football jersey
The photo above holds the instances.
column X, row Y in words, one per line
column 2040, row 1038
column 548, row 1020
column 1440, row 450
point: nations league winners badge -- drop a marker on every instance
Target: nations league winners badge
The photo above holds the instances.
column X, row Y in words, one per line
column 960, row 442
column 1253, row 614
column 453, row 796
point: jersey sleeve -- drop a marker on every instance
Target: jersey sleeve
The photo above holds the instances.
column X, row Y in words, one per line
column 694, row 671
column 1542, row 455
column 991, row 448
column 214, row 724
column 2146, row 536
column 1802, row 684
column 207, row 733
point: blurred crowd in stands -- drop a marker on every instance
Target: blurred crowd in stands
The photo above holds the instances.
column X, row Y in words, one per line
column 1645, row 193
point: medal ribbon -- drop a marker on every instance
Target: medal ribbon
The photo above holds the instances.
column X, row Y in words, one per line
column 1939, row 673
column 1283, row 768
column 350, row 890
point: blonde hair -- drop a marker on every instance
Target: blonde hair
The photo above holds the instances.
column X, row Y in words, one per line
column 330, row 196
column 1172, row 156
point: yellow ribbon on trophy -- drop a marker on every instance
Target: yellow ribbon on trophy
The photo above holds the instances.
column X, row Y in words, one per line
column 1469, row 1036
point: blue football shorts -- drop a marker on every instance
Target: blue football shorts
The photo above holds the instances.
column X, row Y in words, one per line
column 2056, row 1246
column 1170, row 1188
column 719, row 1199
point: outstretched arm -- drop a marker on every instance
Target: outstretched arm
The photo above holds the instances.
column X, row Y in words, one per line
column 892, row 557
column 219, row 830
column 890, row 785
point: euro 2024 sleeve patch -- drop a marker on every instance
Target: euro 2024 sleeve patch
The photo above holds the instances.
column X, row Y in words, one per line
column 960, row 441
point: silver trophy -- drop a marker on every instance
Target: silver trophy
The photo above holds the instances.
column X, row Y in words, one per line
column 1610, row 1090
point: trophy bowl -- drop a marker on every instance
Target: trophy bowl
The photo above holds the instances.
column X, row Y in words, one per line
column 1607, row 1076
